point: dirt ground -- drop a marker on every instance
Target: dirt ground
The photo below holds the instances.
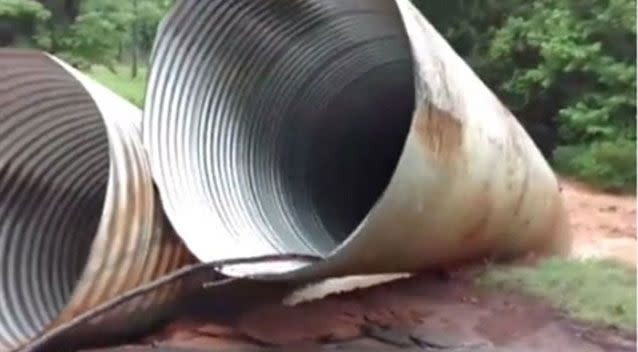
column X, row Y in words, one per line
column 425, row 313
column 603, row 225
column 421, row 313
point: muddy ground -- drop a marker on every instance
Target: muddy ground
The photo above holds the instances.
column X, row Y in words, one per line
column 426, row 313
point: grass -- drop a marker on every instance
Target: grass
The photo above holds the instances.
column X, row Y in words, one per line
column 121, row 82
column 596, row 291
column 609, row 166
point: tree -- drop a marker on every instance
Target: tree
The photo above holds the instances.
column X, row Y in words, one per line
column 565, row 67
column 576, row 58
column 19, row 20
column 134, row 36
column 147, row 15
column 98, row 31
column 63, row 12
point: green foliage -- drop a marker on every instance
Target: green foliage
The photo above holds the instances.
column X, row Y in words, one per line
column 594, row 291
column 610, row 166
column 104, row 30
column 19, row 20
column 567, row 61
column 24, row 10
column 150, row 14
column 566, row 68
column 132, row 89
column 573, row 59
column 95, row 35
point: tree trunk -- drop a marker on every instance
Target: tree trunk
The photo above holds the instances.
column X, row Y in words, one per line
column 63, row 12
column 134, row 40
column 120, row 51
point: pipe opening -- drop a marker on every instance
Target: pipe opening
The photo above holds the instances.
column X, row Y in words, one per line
column 281, row 123
column 355, row 146
column 54, row 168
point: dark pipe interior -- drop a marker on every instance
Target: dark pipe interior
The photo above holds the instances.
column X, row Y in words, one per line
column 54, row 164
column 357, row 144
column 346, row 131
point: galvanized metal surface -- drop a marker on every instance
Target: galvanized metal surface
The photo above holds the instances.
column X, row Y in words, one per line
column 342, row 128
column 79, row 220
column 345, row 129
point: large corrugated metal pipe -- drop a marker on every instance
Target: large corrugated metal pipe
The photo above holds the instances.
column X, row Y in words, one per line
column 79, row 221
column 347, row 129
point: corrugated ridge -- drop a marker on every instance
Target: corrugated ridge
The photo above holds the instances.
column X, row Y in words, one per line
column 80, row 222
column 54, row 157
column 231, row 85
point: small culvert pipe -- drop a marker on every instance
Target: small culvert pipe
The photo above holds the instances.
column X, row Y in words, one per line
column 347, row 129
column 79, row 221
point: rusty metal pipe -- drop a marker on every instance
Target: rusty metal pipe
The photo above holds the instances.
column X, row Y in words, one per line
column 347, row 129
column 79, row 220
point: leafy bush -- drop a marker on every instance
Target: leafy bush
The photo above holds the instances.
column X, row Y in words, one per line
column 575, row 57
column 104, row 30
column 570, row 63
column 93, row 38
column 25, row 10
column 566, row 68
column 608, row 165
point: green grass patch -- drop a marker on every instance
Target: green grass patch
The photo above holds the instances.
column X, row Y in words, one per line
column 596, row 291
column 609, row 166
column 121, row 82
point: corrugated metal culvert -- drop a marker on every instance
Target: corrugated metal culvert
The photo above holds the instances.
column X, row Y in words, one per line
column 79, row 221
column 347, row 130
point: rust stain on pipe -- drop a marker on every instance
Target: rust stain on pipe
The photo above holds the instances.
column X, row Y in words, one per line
column 440, row 132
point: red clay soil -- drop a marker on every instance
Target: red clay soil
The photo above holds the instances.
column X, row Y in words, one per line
column 430, row 314
column 603, row 225
column 420, row 313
